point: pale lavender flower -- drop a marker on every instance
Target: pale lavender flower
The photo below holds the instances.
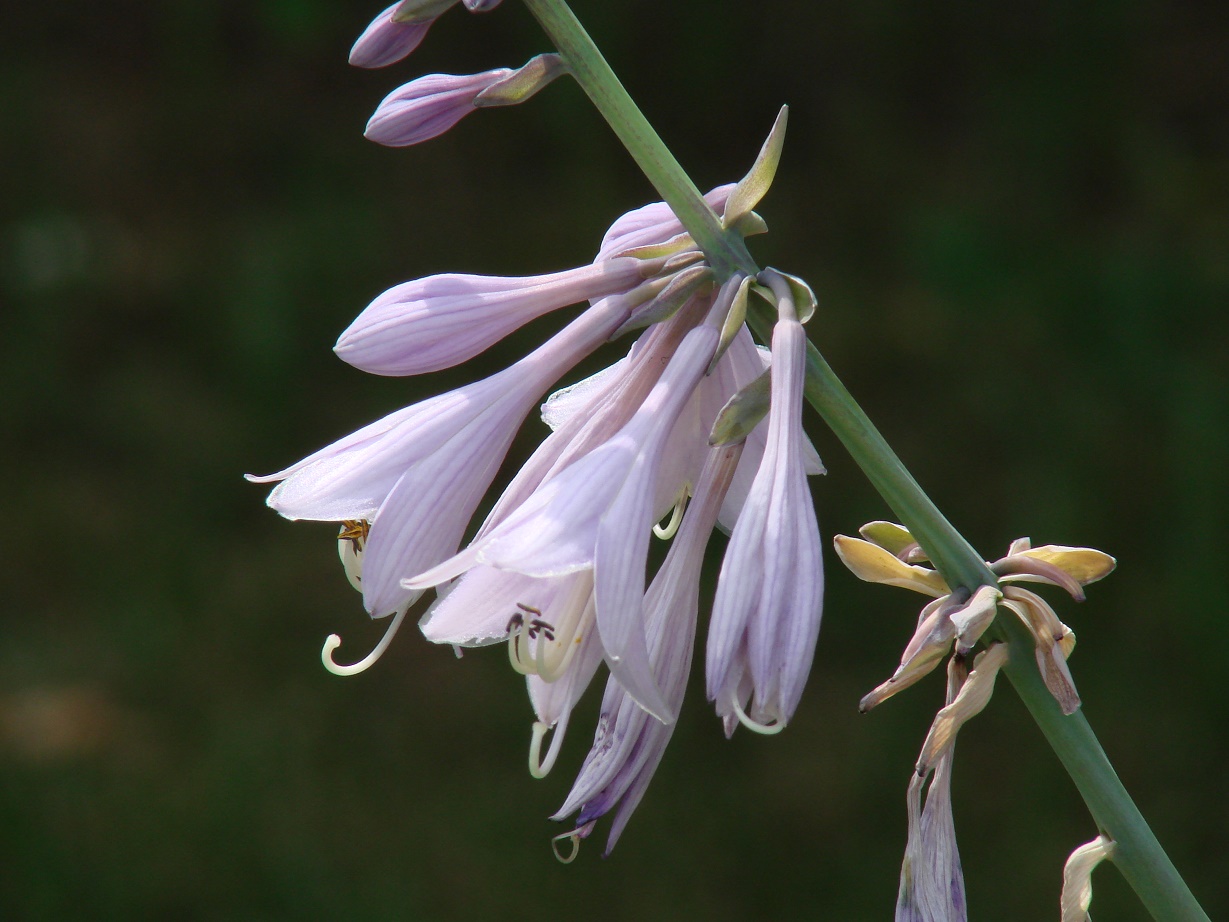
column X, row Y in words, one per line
column 387, row 41
column 767, row 610
column 628, row 744
column 598, row 513
column 481, row 6
column 419, row 473
column 548, row 624
column 427, row 107
column 442, row 320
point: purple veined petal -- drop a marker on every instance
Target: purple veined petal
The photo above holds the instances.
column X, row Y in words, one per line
column 608, row 409
column 385, row 42
column 350, row 478
column 597, row 513
column 563, row 542
column 427, row 107
column 421, row 521
column 653, row 223
column 437, row 322
column 628, row 744
column 568, row 402
column 623, row 534
column 423, row 518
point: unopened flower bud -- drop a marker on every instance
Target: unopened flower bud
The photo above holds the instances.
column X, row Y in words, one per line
column 427, row 107
column 386, row 40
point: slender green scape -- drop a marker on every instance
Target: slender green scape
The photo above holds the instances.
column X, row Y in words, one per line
column 1139, row 856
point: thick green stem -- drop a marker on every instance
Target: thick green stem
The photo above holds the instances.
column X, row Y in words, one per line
column 1138, row 854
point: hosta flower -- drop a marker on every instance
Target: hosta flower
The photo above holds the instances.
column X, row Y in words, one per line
column 399, row 29
column 770, row 592
column 448, row 448
column 629, row 743
column 437, row 322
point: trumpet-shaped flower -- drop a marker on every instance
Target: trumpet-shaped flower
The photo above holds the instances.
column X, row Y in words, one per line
column 769, row 602
column 448, row 448
column 629, row 743
column 598, row 513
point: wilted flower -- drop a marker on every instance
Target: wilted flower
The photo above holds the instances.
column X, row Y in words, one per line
column 1077, row 877
column 888, row 554
column 931, row 880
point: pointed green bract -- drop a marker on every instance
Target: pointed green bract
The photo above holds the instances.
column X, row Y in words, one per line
column 523, row 83
column 742, row 412
column 733, row 320
column 754, row 186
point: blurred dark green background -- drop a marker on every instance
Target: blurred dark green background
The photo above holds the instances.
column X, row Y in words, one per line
column 1017, row 217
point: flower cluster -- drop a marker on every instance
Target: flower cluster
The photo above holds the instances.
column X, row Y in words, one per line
column 558, row 569
column 931, row 881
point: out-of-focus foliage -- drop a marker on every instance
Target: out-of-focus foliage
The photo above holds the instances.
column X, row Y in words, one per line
column 1017, row 218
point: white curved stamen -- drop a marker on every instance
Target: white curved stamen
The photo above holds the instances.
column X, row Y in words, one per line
column 334, row 641
column 676, row 519
column 539, row 767
column 754, row 725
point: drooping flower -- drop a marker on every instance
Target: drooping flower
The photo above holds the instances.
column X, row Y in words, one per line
column 558, row 570
column 767, row 611
column 629, row 743
column 598, row 514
